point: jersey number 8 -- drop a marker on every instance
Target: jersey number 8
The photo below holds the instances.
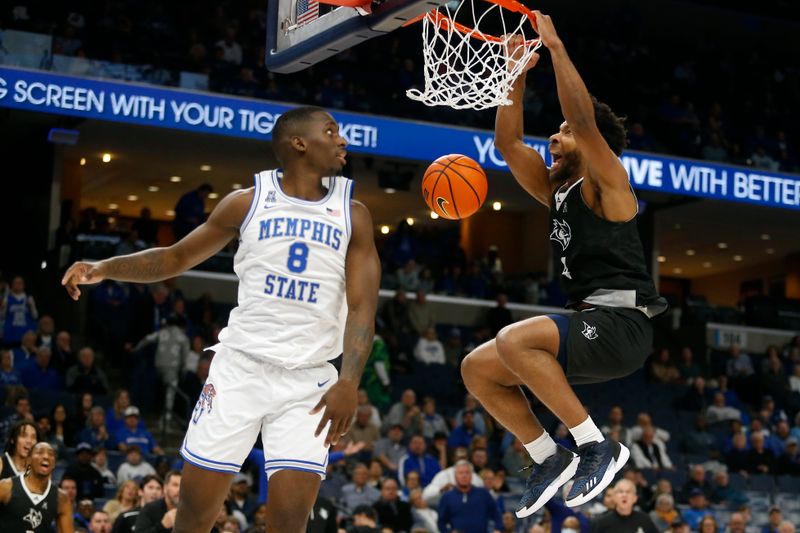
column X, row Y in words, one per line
column 298, row 257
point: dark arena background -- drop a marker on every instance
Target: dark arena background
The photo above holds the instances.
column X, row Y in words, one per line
column 119, row 120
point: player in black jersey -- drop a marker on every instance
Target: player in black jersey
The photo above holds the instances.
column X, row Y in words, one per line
column 29, row 503
column 599, row 257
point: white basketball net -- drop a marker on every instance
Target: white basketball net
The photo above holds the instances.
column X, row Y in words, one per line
column 466, row 68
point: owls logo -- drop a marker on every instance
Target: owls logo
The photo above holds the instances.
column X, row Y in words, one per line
column 590, row 332
column 562, row 233
column 34, row 518
column 205, row 402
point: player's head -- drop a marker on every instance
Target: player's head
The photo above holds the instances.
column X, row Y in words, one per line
column 43, row 459
column 22, row 436
column 312, row 135
column 567, row 159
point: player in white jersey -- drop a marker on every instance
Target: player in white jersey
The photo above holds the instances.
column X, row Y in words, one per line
column 308, row 288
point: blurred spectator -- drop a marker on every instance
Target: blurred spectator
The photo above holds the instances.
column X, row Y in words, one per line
column 429, row 349
column 417, row 459
column 22, row 436
column 499, row 316
column 363, row 399
column 466, row 508
column 462, row 435
column 241, row 498
column 160, row 514
column 358, row 493
column 127, row 498
column 789, row 461
column 375, row 380
column 96, row 434
column 737, row 523
column 406, row 413
column 786, row 527
column 70, row 488
column 444, row 480
column 389, row 450
column 22, row 411
column 44, row 333
column 150, row 490
column 83, row 513
column 322, row 519
column 130, row 243
column 46, row 434
column 421, row 314
column 100, row 522
column 85, row 376
column 698, row 508
column 616, row 423
column 20, row 313
column 397, row 327
column 648, row 452
column 146, row 227
column 759, row 459
column 643, row 420
column 133, row 434
column 761, row 159
column 687, row 368
column 454, row 350
column 63, row 357
column 392, row 512
column 89, row 480
column 424, row 517
column 432, row 422
column 375, row 475
column 699, row 440
column 515, row 459
column 623, row 517
column 408, row 277
column 719, row 412
column 471, row 404
column 115, row 415
column 665, row 513
column 708, row 524
column 192, row 384
column 663, row 370
column 38, row 374
column 363, row 430
column 365, row 520
column 8, row 374
column 774, row 520
column 172, row 348
column 62, row 429
column 737, row 458
column 25, row 350
column 100, row 463
column 697, row 480
column 190, row 211
column 411, row 483
column 722, row 493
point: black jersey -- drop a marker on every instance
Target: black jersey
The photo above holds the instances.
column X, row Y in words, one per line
column 9, row 469
column 598, row 261
column 27, row 512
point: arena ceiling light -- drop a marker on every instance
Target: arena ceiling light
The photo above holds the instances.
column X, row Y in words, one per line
column 765, row 236
column 153, row 188
column 132, row 197
column 175, row 179
column 706, row 264
column 770, row 251
column 213, row 195
column 497, row 206
column 410, row 221
column 385, row 230
column 106, row 158
column 434, row 216
column 677, row 270
column 737, row 258
column 205, row 168
column 690, row 252
column 662, row 259
column 83, row 161
column 722, row 245
column 170, row 213
column 113, row 206
column 236, row 186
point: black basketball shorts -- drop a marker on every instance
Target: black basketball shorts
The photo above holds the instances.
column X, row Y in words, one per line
column 605, row 343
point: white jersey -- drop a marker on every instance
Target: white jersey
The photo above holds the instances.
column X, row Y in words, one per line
column 290, row 264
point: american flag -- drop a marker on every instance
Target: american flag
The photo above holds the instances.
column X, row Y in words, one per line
column 307, row 10
column 333, row 212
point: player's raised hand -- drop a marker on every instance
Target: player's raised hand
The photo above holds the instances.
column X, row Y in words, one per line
column 81, row 273
column 546, row 30
column 515, row 49
column 340, row 404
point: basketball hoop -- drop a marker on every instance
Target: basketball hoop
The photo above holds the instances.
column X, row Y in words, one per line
column 466, row 67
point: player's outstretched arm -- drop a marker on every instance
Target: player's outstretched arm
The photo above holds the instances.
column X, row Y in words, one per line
column 362, row 281
column 64, row 522
column 157, row 264
column 605, row 168
column 525, row 163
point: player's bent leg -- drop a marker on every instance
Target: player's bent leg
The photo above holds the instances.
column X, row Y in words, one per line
column 202, row 494
column 291, row 497
column 529, row 350
column 497, row 388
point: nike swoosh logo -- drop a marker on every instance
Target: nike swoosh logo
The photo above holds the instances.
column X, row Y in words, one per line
column 440, row 202
column 320, row 385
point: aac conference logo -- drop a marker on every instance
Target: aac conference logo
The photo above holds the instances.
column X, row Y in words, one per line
column 3, row 90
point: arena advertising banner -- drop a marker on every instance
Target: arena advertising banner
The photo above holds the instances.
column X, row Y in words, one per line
column 148, row 105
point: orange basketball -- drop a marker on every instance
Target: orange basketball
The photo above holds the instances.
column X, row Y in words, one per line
column 454, row 186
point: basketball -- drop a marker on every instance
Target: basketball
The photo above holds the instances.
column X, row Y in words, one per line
column 454, row 186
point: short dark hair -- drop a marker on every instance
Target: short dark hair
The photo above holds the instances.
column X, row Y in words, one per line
column 148, row 478
column 14, row 433
column 169, row 475
column 286, row 124
column 611, row 126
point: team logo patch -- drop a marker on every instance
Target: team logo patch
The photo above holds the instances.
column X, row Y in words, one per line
column 271, row 199
column 34, row 518
column 590, row 332
column 562, row 233
column 205, row 402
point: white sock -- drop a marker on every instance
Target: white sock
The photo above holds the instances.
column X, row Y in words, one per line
column 586, row 432
column 541, row 448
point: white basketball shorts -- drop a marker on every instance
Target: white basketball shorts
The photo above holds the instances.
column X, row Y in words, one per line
column 243, row 396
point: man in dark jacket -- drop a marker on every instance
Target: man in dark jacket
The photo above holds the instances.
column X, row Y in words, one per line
column 159, row 516
column 392, row 512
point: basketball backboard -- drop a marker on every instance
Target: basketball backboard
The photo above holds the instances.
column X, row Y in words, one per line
column 301, row 33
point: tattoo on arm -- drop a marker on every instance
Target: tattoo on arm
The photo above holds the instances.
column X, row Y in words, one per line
column 146, row 266
column 357, row 347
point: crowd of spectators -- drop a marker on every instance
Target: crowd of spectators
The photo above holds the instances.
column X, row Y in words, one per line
column 681, row 96
column 718, row 442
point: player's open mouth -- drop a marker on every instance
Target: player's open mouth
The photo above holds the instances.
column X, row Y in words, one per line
column 341, row 157
column 556, row 160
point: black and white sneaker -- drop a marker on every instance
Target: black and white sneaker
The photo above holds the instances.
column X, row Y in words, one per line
column 600, row 462
column 545, row 480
